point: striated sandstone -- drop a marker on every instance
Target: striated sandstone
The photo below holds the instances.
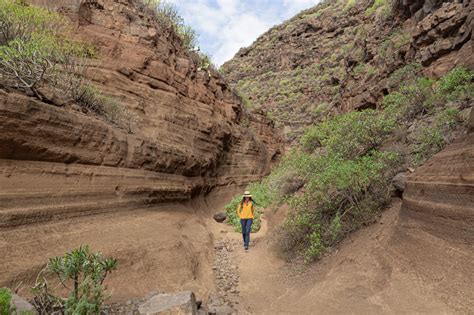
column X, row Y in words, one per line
column 438, row 205
column 190, row 135
column 68, row 178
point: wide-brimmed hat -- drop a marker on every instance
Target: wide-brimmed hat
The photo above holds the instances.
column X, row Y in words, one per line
column 247, row 194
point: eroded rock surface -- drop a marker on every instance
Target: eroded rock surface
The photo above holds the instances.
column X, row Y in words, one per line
column 338, row 57
column 438, row 202
column 182, row 303
column 60, row 167
column 190, row 132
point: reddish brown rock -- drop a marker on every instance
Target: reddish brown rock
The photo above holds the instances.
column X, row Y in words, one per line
column 188, row 136
column 342, row 56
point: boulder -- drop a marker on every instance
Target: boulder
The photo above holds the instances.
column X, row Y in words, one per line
column 399, row 182
column 220, row 216
column 22, row 306
column 182, row 303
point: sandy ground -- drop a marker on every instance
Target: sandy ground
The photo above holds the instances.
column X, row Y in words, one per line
column 390, row 267
column 369, row 274
column 167, row 248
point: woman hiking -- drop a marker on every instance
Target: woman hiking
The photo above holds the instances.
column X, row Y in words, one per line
column 245, row 211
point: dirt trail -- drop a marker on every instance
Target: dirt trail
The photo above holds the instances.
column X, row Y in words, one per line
column 387, row 267
column 371, row 273
column 161, row 248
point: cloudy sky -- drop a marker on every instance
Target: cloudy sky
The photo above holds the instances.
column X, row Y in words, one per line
column 224, row 26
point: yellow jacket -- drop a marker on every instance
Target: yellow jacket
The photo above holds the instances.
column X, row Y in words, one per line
column 246, row 210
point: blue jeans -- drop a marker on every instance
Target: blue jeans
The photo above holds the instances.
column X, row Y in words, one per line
column 246, row 228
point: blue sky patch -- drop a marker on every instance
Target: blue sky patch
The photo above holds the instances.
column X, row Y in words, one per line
column 224, row 26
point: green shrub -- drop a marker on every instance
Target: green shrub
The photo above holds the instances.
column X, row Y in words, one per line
column 315, row 246
column 188, row 36
column 376, row 5
column 417, row 96
column 405, row 75
column 203, row 61
column 339, row 196
column 20, row 22
column 401, row 39
column 33, row 56
column 5, row 301
column 80, row 271
column 28, row 64
column 30, row 46
column 349, row 4
column 433, row 137
column 457, row 84
column 410, row 100
column 359, row 69
column 90, row 98
column 349, row 135
column 168, row 17
column 321, row 109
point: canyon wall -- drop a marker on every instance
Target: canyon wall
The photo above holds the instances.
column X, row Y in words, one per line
column 436, row 224
column 339, row 55
column 189, row 132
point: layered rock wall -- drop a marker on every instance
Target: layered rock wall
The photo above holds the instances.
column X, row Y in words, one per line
column 188, row 135
column 440, row 194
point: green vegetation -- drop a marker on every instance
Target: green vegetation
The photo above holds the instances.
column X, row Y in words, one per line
column 298, row 86
column 431, row 138
column 344, row 184
column 379, row 4
column 363, row 69
column 82, row 273
column 349, row 4
column 37, row 59
column 320, row 110
column 5, row 301
column 21, row 22
column 396, row 40
column 168, row 17
column 423, row 96
column 338, row 178
column 406, row 74
column 457, row 84
column 349, row 135
column 92, row 99
column 30, row 48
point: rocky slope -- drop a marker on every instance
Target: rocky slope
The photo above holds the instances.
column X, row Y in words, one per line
column 438, row 203
column 339, row 55
column 189, row 133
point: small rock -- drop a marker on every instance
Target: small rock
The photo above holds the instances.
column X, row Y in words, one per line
column 22, row 306
column 220, row 216
column 399, row 182
column 177, row 303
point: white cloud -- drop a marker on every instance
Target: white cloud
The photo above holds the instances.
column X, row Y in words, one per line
column 298, row 5
column 227, row 25
column 239, row 32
